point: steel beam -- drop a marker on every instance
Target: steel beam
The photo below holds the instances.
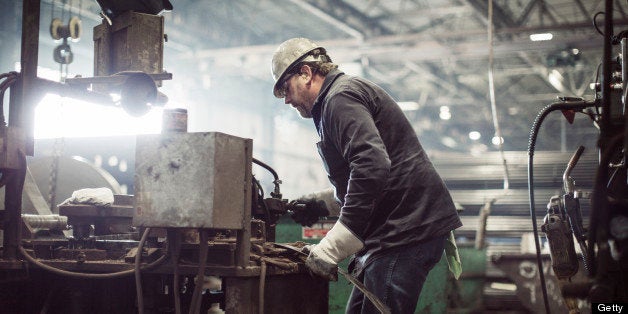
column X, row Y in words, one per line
column 327, row 17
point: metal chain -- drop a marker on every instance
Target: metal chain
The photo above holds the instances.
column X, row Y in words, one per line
column 57, row 152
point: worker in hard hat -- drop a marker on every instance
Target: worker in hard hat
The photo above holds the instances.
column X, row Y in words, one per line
column 396, row 212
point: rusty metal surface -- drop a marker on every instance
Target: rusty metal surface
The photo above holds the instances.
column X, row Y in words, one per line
column 81, row 255
column 134, row 42
column 193, row 180
column 522, row 269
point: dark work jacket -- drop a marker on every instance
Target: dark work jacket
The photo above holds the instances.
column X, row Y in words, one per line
column 391, row 195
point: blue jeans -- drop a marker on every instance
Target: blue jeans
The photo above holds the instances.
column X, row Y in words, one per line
column 396, row 277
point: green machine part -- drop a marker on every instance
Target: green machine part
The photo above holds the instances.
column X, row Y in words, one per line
column 441, row 292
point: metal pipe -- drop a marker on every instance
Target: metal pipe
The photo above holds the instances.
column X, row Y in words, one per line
column 12, row 225
column 21, row 115
column 23, row 99
column 66, row 90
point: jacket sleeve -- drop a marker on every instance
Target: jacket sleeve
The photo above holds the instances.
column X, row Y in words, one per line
column 353, row 132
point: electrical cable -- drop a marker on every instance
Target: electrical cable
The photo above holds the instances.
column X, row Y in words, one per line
column 570, row 105
column 195, row 305
column 138, row 275
column 597, row 28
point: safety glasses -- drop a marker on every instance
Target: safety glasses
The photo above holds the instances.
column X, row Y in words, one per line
column 284, row 85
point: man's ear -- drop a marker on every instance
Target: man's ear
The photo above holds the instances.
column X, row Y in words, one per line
column 306, row 72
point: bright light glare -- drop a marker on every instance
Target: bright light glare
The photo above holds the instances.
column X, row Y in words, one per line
column 497, row 140
column 449, row 142
column 445, row 115
column 408, row 105
column 65, row 117
column 541, row 37
column 475, row 135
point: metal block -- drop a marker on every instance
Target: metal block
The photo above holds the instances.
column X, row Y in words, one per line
column 134, row 42
column 193, row 180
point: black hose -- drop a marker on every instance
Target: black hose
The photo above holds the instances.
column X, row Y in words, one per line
column 62, row 272
column 261, row 199
column 6, row 84
column 267, row 167
column 7, row 74
column 138, row 274
column 195, row 305
column 174, row 238
column 571, row 105
column 274, row 173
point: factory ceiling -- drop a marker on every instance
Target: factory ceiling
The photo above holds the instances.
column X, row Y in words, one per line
column 434, row 56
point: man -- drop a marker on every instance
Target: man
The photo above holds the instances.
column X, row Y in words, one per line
column 396, row 212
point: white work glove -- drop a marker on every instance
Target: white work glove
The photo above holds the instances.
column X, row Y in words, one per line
column 337, row 245
column 91, row 196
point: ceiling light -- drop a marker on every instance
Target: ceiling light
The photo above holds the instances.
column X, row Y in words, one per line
column 475, row 135
column 408, row 105
column 556, row 79
column 449, row 142
column 497, row 140
column 541, row 37
column 444, row 114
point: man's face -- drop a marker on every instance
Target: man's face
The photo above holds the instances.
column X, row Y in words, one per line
column 297, row 95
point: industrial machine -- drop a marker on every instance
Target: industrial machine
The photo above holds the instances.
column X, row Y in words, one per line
column 597, row 274
column 196, row 236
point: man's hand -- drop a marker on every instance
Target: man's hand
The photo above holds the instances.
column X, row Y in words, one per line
column 337, row 245
column 308, row 211
column 321, row 265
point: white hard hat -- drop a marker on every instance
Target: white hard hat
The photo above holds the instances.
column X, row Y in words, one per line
column 290, row 53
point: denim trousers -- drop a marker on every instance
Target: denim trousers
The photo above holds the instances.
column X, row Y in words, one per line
column 397, row 277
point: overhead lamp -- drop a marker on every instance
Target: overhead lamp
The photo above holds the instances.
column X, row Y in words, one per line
column 408, row 105
column 449, row 142
column 541, row 37
column 444, row 114
column 496, row 140
column 474, row 135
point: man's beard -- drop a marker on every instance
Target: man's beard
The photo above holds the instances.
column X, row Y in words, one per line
column 303, row 112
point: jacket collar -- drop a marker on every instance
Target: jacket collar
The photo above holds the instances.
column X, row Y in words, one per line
column 317, row 108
